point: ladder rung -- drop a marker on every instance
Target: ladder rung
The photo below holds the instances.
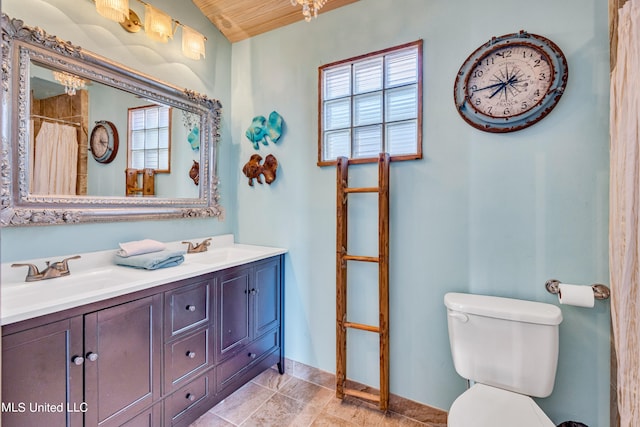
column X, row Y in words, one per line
column 360, row 258
column 362, row 327
column 362, row 190
column 362, row 394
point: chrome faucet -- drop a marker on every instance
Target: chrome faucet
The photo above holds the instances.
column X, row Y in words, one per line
column 200, row 247
column 53, row 270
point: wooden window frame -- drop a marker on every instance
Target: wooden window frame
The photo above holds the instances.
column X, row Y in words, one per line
column 413, row 156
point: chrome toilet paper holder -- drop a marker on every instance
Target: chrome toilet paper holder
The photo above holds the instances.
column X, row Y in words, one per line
column 600, row 291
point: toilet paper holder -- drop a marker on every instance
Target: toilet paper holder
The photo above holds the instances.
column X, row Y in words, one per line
column 600, row 291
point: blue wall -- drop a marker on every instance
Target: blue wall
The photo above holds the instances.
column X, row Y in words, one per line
column 484, row 213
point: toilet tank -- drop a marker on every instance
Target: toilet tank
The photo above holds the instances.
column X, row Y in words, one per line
column 506, row 343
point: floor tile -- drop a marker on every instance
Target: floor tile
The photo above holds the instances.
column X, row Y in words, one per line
column 355, row 411
column 211, row 420
column 278, row 411
column 328, row 420
column 313, row 375
column 307, row 392
column 244, row 402
column 272, row 379
column 305, row 397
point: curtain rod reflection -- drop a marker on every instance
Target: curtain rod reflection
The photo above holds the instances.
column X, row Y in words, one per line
column 35, row 116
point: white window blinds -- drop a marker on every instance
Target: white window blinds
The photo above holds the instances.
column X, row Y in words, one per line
column 372, row 104
column 149, row 139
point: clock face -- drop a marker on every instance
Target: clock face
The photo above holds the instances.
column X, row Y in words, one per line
column 510, row 83
column 100, row 142
column 104, row 142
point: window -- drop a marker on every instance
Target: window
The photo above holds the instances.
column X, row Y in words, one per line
column 372, row 104
column 150, row 138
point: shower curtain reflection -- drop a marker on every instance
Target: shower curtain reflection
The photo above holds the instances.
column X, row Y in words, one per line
column 55, row 160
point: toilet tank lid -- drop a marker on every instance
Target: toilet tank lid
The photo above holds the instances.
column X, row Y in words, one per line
column 504, row 308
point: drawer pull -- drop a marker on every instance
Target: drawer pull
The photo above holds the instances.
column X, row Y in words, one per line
column 190, row 397
column 252, row 355
column 77, row 360
column 191, row 307
column 92, row 356
column 191, row 354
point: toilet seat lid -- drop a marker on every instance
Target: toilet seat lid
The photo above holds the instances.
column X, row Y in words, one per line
column 486, row 406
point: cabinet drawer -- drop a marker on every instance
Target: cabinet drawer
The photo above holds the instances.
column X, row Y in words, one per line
column 178, row 405
column 187, row 308
column 245, row 357
column 186, row 356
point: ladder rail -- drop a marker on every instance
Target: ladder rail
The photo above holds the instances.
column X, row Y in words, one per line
column 383, row 279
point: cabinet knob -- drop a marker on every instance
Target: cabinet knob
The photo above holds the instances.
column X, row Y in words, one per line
column 190, row 396
column 191, row 307
column 92, row 356
column 77, row 360
column 252, row 355
column 254, row 291
column 191, row 354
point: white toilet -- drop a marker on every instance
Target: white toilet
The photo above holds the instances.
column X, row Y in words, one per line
column 508, row 349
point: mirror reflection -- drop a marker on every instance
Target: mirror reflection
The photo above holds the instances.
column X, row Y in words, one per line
column 90, row 139
column 71, row 146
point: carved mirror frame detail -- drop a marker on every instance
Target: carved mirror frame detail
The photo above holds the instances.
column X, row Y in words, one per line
column 20, row 46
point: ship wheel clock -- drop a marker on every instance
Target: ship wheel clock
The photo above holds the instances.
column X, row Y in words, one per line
column 511, row 82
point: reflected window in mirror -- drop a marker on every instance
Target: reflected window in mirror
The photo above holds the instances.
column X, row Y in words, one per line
column 149, row 138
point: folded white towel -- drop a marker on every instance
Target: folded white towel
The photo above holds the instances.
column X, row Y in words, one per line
column 139, row 247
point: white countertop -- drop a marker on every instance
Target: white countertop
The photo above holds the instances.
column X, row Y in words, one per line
column 94, row 277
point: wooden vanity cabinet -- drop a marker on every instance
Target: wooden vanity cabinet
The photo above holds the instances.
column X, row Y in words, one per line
column 122, row 364
column 155, row 358
column 37, row 369
column 249, row 306
column 96, row 369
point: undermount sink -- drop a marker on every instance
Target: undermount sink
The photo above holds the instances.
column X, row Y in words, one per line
column 76, row 282
column 223, row 255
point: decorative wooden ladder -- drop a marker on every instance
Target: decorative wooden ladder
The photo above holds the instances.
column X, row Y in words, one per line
column 382, row 329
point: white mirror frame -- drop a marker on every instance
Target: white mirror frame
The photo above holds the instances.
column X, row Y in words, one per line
column 22, row 45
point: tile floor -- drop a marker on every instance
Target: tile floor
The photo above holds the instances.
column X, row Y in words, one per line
column 302, row 397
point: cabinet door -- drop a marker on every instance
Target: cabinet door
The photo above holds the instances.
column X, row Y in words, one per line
column 265, row 293
column 233, row 310
column 122, row 367
column 42, row 376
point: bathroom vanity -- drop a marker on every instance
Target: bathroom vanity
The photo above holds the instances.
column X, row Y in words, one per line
column 154, row 351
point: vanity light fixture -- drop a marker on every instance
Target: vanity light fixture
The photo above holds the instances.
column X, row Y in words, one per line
column 192, row 43
column 158, row 26
column 116, row 10
column 309, row 7
column 70, row 82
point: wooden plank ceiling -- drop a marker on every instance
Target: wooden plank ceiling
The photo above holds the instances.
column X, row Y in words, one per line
column 240, row 19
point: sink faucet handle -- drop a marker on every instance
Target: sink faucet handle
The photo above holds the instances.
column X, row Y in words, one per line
column 65, row 262
column 32, row 274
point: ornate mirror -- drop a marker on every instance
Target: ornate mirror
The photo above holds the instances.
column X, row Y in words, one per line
column 58, row 97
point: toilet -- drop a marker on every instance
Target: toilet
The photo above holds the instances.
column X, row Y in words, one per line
column 508, row 349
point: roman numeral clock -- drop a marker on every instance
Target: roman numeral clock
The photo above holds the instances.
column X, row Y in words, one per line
column 510, row 82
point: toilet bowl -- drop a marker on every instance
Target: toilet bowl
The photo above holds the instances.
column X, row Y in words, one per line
column 483, row 405
column 509, row 349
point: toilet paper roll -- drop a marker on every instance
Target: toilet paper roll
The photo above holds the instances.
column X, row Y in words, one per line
column 578, row 295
